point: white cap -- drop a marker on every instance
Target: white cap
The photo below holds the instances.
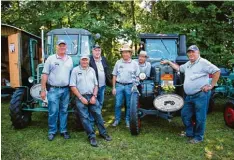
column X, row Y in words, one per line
column 143, row 53
column 85, row 56
column 61, row 42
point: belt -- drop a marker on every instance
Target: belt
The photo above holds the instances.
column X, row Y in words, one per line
column 124, row 83
column 87, row 94
column 58, row 86
column 194, row 93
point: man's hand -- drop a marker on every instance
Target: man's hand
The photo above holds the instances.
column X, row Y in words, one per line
column 92, row 100
column 43, row 95
column 84, row 101
column 206, row 88
column 114, row 91
column 165, row 62
column 173, row 65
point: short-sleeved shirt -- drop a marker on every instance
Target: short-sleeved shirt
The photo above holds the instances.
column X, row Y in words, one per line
column 145, row 68
column 197, row 74
column 101, row 73
column 126, row 72
column 58, row 70
column 83, row 79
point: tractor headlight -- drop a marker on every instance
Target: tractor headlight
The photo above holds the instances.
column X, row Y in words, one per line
column 30, row 79
column 142, row 76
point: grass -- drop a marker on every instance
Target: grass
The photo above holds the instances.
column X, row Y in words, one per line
column 158, row 139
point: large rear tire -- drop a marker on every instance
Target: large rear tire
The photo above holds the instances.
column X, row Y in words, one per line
column 228, row 114
column 134, row 118
column 19, row 118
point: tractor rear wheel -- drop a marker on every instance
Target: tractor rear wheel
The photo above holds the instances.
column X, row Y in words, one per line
column 135, row 122
column 19, row 118
column 228, row 114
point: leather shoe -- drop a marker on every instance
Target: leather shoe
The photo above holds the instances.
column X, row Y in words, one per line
column 106, row 137
column 65, row 135
column 93, row 142
column 51, row 137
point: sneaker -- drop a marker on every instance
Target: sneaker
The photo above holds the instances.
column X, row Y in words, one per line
column 194, row 141
column 106, row 137
column 116, row 123
column 93, row 142
column 51, row 137
column 65, row 135
column 127, row 124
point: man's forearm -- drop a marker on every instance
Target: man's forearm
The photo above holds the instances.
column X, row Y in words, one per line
column 114, row 81
column 76, row 92
column 95, row 91
column 174, row 66
column 44, row 79
column 215, row 78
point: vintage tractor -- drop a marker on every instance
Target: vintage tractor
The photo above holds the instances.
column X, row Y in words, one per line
column 226, row 90
column 26, row 99
column 162, row 93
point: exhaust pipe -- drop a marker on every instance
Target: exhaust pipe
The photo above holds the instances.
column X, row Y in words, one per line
column 42, row 44
column 182, row 49
column 182, row 56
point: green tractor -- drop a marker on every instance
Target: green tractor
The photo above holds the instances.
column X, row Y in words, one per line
column 225, row 90
column 26, row 99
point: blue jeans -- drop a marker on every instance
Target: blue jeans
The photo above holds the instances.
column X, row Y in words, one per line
column 195, row 105
column 100, row 98
column 95, row 110
column 101, row 95
column 122, row 91
column 58, row 100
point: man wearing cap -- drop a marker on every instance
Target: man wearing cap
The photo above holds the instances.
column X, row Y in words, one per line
column 125, row 72
column 197, row 89
column 55, row 78
column 145, row 67
column 84, row 86
column 101, row 68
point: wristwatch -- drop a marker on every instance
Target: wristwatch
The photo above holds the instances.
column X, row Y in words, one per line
column 43, row 89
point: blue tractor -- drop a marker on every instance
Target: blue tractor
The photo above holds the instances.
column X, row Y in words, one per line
column 162, row 93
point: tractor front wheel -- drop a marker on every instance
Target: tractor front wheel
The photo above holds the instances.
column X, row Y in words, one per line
column 19, row 118
column 134, row 118
column 228, row 114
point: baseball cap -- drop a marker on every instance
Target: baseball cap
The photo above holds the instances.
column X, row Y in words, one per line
column 84, row 56
column 143, row 53
column 193, row 48
column 96, row 46
column 61, row 42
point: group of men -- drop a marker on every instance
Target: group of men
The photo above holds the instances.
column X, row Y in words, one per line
column 88, row 81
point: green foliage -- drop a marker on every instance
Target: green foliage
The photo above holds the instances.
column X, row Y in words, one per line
column 207, row 24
